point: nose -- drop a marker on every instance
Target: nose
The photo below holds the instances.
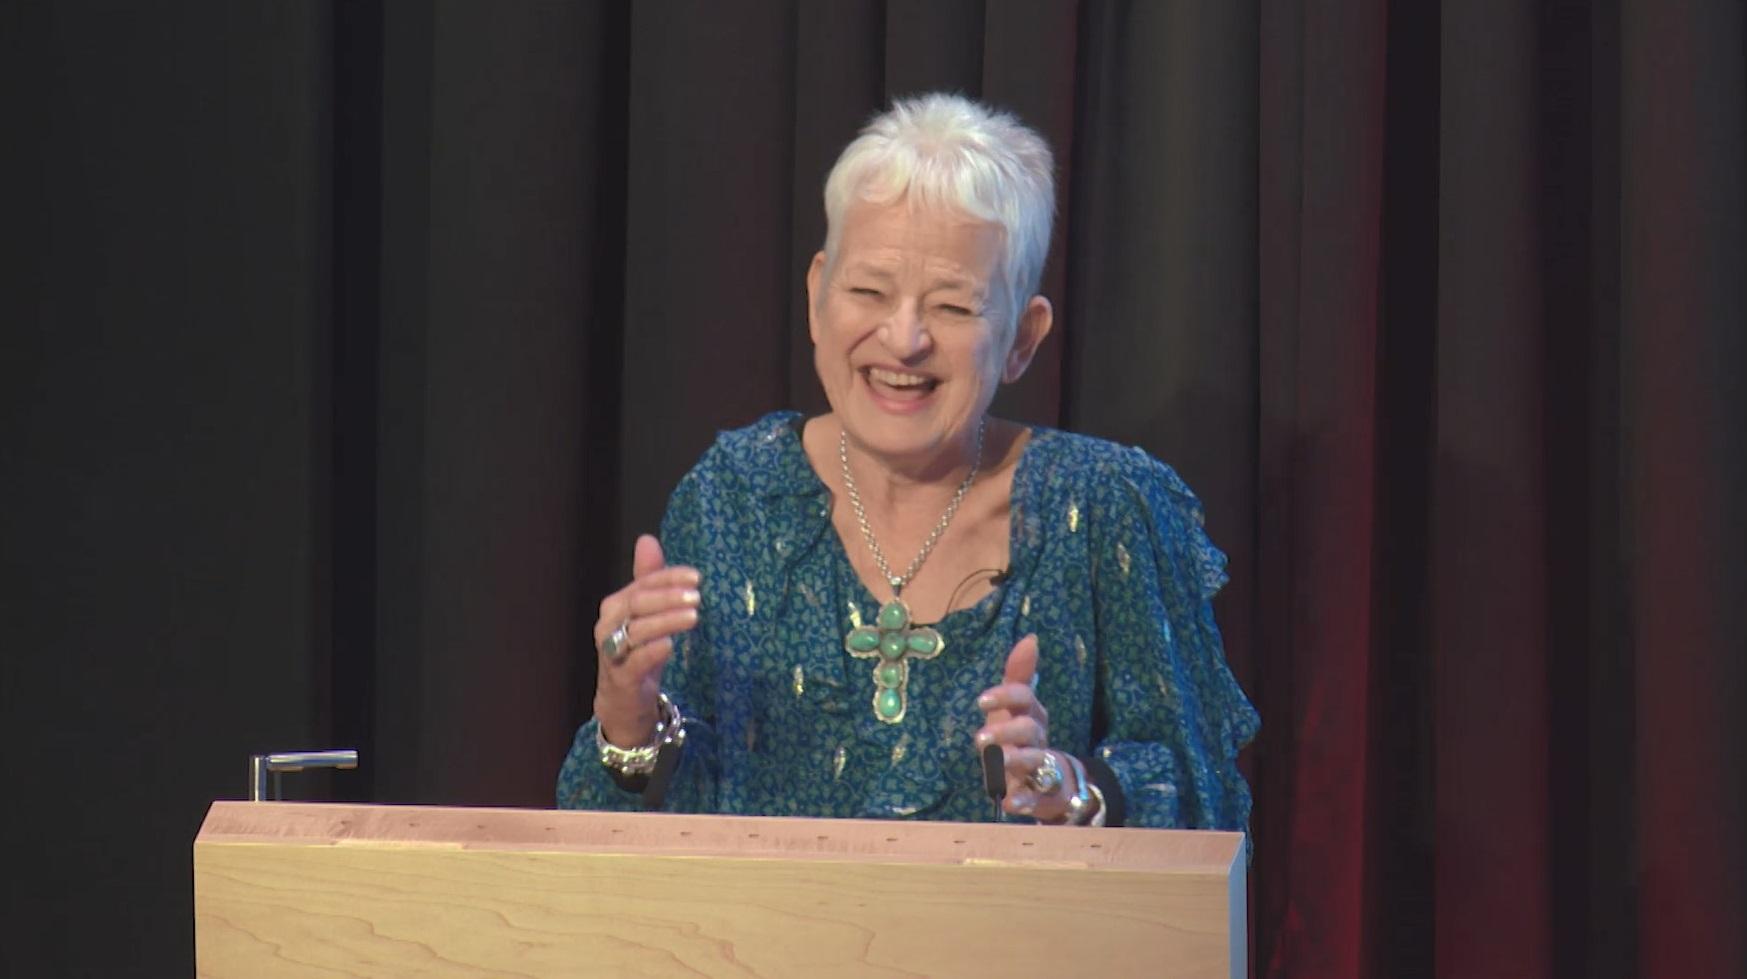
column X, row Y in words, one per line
column 904, row 333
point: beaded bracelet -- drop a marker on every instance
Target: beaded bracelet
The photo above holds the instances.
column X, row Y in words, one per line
column 669, row 729
column 1086, row 807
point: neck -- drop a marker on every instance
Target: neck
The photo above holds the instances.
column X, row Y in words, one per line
column 901, row 486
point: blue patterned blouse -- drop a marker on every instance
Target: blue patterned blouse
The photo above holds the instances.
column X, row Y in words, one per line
column 1109, row 567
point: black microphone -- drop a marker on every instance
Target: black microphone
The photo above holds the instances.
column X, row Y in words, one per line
column 995, row 776
column 655, row 792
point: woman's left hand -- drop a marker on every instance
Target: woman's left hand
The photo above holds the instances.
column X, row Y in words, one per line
column 1015, row 719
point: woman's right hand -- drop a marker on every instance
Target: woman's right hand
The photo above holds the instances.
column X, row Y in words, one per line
column 659, row 603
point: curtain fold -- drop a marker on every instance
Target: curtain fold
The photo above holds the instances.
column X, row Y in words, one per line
column 1320, row 221
column 1683, row 347
column 1489, row 570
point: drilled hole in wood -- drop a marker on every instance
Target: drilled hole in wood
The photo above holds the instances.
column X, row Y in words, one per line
column 891, row 839
column 1026, row 843
column 685, row 832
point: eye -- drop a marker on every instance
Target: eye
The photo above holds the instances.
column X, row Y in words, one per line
column 864, row 291
column 952, row 310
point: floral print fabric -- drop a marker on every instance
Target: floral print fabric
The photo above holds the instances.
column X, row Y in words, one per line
column 1109, row 566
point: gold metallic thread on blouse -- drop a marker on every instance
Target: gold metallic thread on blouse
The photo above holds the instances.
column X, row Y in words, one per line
column 752, row 735
column 751, row 597
column 1122, row 559
column 800, row 680
column 838, row 760
column 855, row 615
column 901, row 748
column 1073, row 516
column 1079, row 650
column 1025, row 606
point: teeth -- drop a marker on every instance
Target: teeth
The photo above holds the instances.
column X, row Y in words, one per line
column 896, row 379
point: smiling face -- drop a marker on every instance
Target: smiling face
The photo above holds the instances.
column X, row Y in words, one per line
column 911, row 330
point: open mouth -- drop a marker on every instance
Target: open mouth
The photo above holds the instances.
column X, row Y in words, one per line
column 899, row 385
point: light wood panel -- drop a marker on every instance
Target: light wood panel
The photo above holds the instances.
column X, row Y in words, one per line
column 287, row 889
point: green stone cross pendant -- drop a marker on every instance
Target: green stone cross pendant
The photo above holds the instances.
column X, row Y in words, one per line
column 892, row 643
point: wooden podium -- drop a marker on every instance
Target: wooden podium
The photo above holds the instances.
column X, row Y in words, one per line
column 292, row 889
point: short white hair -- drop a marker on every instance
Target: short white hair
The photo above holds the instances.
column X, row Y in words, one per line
column 943, row 149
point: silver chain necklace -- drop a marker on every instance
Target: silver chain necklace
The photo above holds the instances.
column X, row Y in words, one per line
column 893, row 641
column 899, row 581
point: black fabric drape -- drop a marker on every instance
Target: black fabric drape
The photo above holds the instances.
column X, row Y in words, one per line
column 1682, row 429
column 165, row 328
column 496, row 423
column 354, row 342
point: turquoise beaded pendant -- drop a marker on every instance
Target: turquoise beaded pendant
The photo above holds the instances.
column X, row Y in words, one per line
column 892, row 643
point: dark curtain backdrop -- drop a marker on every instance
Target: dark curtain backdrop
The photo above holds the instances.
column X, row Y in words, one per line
column 348, row 344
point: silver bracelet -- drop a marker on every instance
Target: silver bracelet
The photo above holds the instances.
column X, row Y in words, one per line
column 1086, row 808
column 669, row 729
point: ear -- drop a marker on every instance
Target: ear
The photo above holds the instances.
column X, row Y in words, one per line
column 815, row 282
column 1034, row 324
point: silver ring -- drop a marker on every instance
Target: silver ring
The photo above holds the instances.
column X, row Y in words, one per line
column 618, row 645
column 1047, row 777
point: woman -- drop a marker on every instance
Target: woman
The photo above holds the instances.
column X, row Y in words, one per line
column 843, row 610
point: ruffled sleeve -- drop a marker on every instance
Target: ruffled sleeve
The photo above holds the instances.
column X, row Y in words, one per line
column 1173, row 716
column 582, row 781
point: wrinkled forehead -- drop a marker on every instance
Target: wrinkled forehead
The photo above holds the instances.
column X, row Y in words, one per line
column 941, row 246
column 886, row 230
